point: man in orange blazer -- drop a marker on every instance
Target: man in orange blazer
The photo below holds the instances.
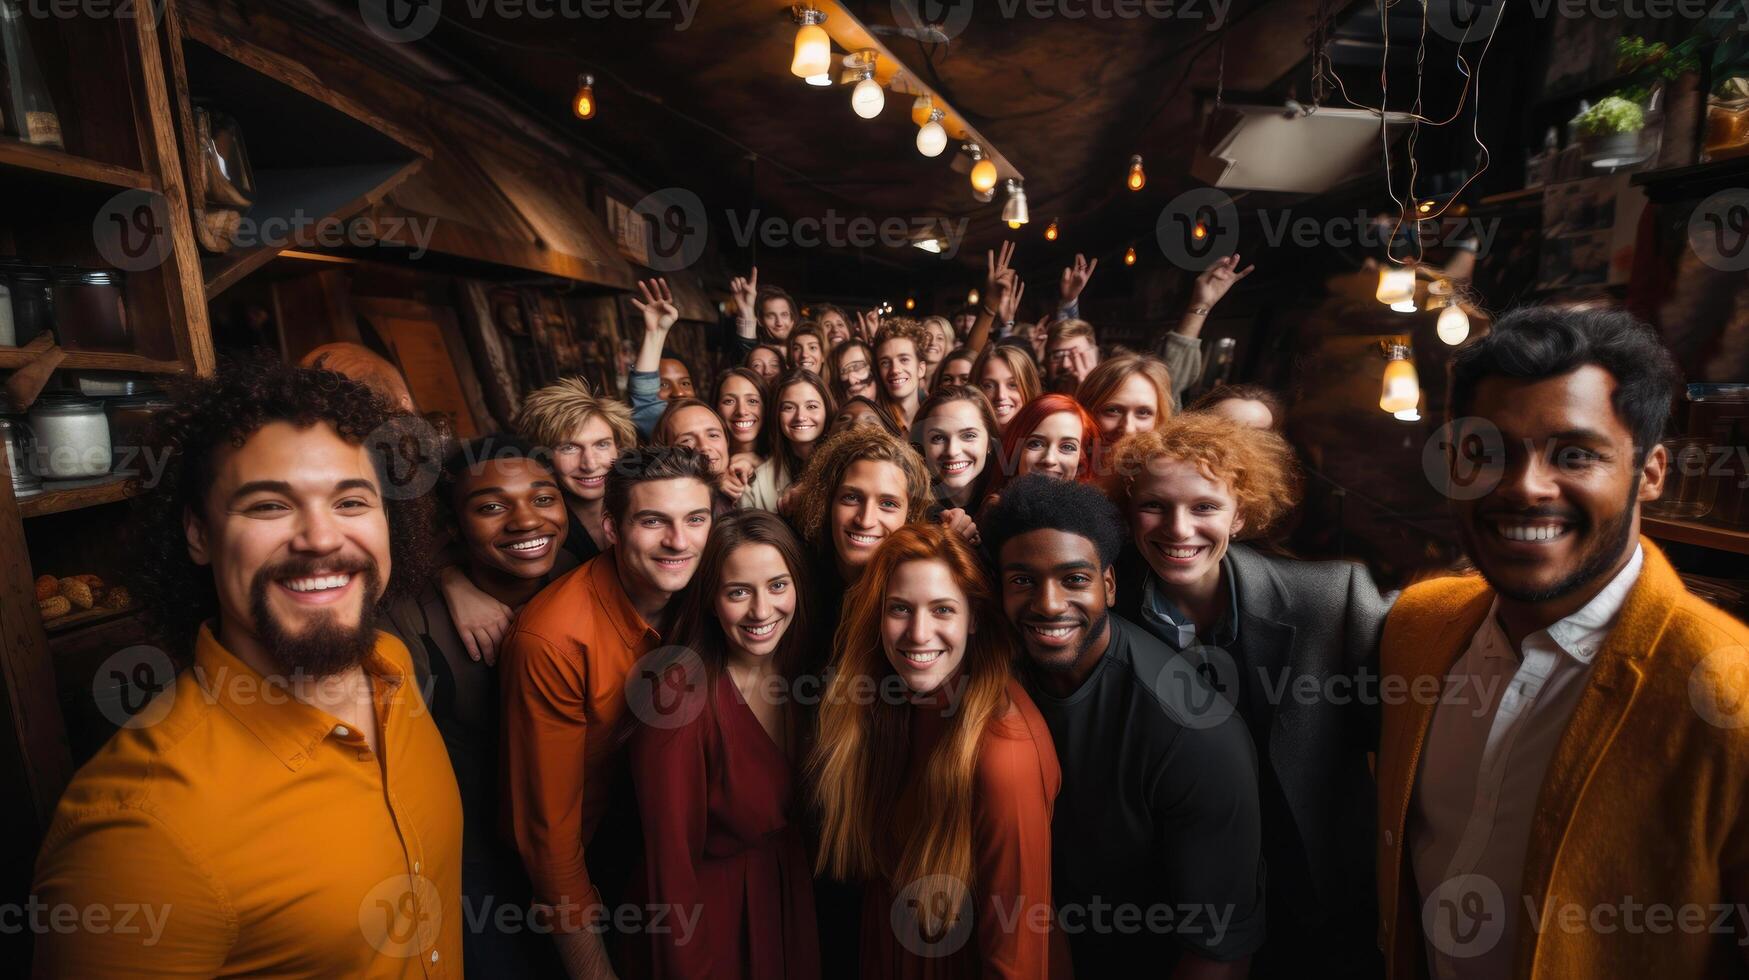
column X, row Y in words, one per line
column 1564, row 746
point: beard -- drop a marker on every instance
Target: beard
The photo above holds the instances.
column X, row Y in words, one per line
column 1095, row 629
column 1610, row 540
column 326, row 646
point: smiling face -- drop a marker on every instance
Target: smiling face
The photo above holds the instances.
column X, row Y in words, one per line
column 583, row 460
column 869, row 504
column 955, row 444
column 897, row 362
column 777, row 317
column 1059, row 599
column 511, row 515
column 856, row 372
column 956, row 372
column 658, row 543
column 935, row 346
column 926, row 621
column 743, row 408
column 1133, row 407
column 1002, row 387
column 801, row 413
column 765, row 363
column 1565, row 513
column 1182, row 520
column 674, row 380
column 697, row 427
column 836, row 327
column 805, row 352
column 1054, row 448
column 756, row 602
column 297, row 536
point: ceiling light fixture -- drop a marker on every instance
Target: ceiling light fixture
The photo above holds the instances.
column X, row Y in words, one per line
column 867, row 99
column 1397, row 288
column 813, row 45
column 583, row 103
column 1401, row 390
column 1014, row 212
column 931, row 138
column 983, row 171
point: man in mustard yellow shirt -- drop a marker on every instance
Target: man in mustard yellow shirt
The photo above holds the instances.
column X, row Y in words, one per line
column 286, row 806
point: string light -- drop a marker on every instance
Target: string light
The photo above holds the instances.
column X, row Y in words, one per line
column 1401, row 389
column 983, row 171
column 1129, row 255
column 1051, row 231
column 931, row 138
column 972, row 298
column 583, row 104
column 1454, row 324
column 1137, row 179
column 813, row 55
column 867, row 99
column 910, row 303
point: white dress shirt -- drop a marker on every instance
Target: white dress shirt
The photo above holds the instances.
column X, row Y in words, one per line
column 1493, row 733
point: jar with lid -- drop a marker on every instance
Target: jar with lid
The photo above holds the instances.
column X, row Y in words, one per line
column 32, row 307
column 90, row 310
column 130, row 430
column 72, row 438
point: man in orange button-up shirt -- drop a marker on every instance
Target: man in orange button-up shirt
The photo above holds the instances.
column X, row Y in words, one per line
column 564, row 673
column 286, row 806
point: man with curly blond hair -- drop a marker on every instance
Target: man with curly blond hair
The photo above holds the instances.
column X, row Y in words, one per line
column 899, row 368
column 1292, row 644
column 584, row 433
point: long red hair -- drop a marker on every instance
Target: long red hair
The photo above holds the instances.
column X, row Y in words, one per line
column 1028, row 419
column 859, row 763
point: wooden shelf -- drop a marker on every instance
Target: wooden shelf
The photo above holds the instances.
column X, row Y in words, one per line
column 1696, row 182
column 60, row 165
column 63, row 625
column 1696, row 533
column 17, row 357
column 108, row 491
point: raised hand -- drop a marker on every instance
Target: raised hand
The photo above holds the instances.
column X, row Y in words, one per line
column 745, row 291
column 1075, row 278
column 995, row 266
column 657, row 306
column 868, row 323
column 1010, row 302
column 1217, row 279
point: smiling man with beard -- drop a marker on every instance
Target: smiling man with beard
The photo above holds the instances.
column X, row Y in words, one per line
column 1593, row 757
column 287, row 800
column 1158, row 822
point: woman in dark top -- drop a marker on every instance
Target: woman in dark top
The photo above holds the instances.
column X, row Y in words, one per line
column 715, row 775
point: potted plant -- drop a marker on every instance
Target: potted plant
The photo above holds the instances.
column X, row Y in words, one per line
column 1609, row 132
column 1667, row 79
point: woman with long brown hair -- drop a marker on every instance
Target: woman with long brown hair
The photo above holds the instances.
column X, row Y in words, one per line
column 938, row 799
column 852, row 371
column 1008, row 377
column 715, row 772
column 795, row 423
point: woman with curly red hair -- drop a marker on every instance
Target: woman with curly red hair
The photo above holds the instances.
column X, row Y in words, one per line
column 1194, row 489
column 1051, row 435
column 938, row 792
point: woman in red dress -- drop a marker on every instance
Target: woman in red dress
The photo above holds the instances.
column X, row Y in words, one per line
column 712, row 753
column 937, row 790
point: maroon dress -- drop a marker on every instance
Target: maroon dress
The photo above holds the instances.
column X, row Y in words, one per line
column 721, row 849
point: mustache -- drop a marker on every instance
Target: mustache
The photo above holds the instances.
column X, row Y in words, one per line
column 305, row 566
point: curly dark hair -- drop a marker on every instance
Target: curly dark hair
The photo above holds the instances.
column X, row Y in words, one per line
column 211, row 413
column 1035, row 503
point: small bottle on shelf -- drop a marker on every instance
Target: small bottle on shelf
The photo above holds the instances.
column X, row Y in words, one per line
column 28, row 111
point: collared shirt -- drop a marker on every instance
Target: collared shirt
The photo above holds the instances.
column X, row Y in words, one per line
column 241, row 831
column 1488, row 749
column 1166, row 621
column 563, row 672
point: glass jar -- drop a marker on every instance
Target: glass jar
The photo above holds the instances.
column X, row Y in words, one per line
column 91, row 311
column 33, row 304
column 131, row 426
column 72, row 438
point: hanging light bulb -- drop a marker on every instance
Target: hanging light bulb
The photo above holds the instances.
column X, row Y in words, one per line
column 1014, row 212
column 583, row 103
column 972, row 298
column 1051, row 231
column 910, row 302
column 813, row 45
column 1397, row 288
column 867, row 99
column 921, row 107
column 1136, row 178
column 1401, row 390
column 1454, row 324
column 983, row 171
column 931, row 138
column 1129, row 255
